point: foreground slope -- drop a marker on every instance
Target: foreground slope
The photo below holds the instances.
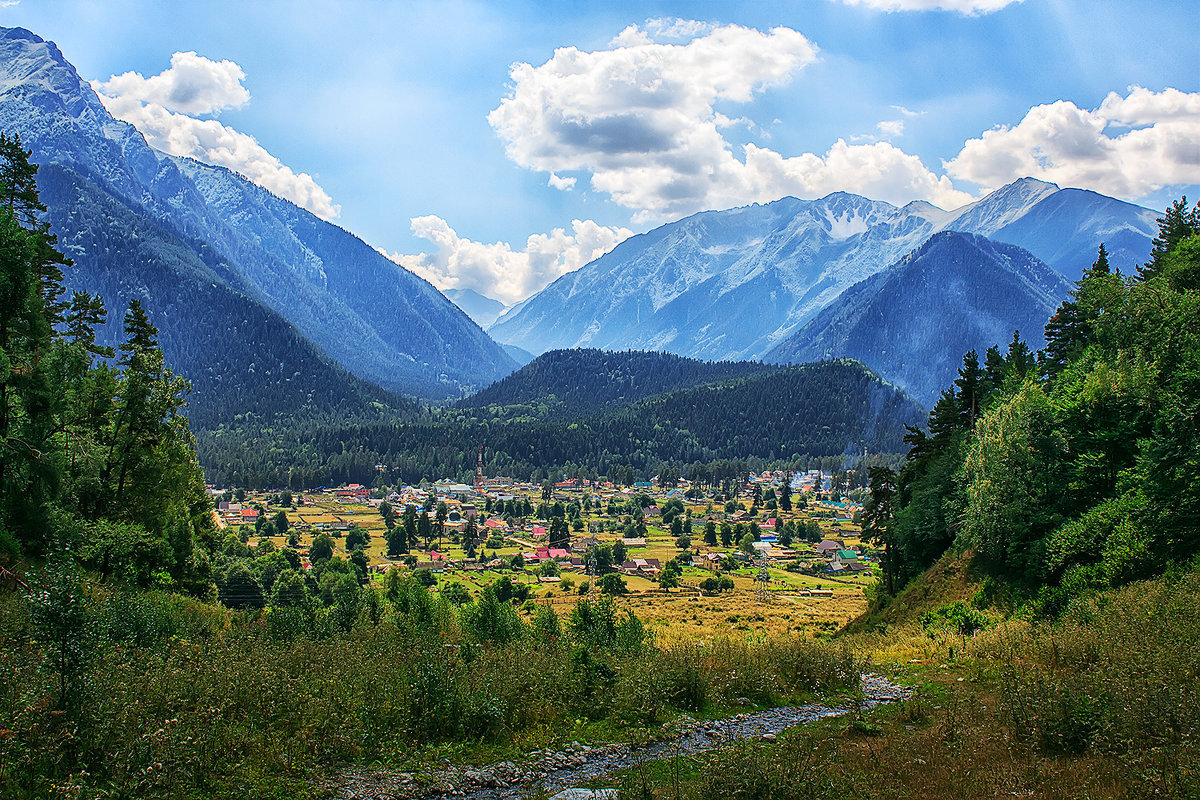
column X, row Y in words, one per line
column 912, row 323
column 378, row 320
column 734, row 284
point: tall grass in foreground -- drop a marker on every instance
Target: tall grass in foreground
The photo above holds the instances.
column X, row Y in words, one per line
column 1118, row 676
column 153, row 695
column 1101, row 703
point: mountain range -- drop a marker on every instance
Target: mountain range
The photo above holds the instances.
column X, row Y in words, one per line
column 267, row 309
column 211, row 242
column 479, row 307
column 736, row 284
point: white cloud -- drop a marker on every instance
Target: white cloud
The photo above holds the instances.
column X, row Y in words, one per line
column 498, row 271
column 161, row 107
column 1129, row 147
column 562, row 184
column 192, row 85
column 640, row 119
column 968, row 7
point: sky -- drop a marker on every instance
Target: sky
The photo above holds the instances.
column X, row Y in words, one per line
column 497, row 146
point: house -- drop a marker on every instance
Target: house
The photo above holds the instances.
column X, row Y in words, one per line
column 841, row 559
column 639, row 541
column 646, row 567
column 828, row 546
column 538, row 530
column 495, row 524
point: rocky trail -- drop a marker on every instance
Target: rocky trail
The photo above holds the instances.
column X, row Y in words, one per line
column 558, row 770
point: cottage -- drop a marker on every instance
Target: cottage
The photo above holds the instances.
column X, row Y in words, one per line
column 646, row 567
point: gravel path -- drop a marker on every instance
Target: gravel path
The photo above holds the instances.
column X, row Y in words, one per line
column 576, row 764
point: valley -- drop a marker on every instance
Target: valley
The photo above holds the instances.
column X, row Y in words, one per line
column 776, row 497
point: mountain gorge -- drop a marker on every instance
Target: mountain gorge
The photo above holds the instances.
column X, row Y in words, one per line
column 735, row 284
column 257, row 255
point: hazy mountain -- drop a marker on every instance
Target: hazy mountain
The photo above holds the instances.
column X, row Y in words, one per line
column 734, row 284
column 518, row 354
column 583, row 381
column 378, row 320
column 913, row 322
column 479, row 307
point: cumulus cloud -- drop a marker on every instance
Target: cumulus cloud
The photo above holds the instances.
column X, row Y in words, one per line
column 498, row 271
column 967, row 7
column 640, row 119
column 166, row 109
column 192, row 85
column 1129, row 147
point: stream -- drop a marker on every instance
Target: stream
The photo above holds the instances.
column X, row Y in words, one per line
column 554, row 770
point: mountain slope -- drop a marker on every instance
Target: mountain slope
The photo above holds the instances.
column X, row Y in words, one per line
column 244, row 361
column 912, row 322
column 734, row 284
column 580, row 382
column 382, row 322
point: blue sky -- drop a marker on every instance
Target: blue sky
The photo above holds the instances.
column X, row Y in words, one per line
column 408, row 124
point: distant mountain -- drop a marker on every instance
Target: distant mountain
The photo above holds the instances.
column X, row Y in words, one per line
column 518, row 354
column 381, row 322
column 479, row 307
column 734, row 284
column 831, row 408
column 580, row 382
column 913, row 322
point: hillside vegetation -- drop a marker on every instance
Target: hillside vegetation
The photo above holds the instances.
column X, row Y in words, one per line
column 779, row 416
column 584, row 381
column 1077, row 469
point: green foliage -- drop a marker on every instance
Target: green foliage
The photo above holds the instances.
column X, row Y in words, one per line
column 1083, row 473
column 957, row 617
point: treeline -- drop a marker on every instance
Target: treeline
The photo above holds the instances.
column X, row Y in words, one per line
column 826, row 410
column 584, row 381
column 1076, row 468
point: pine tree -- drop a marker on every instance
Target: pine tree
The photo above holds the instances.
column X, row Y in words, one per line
column 1177, row 224
column 971, row 389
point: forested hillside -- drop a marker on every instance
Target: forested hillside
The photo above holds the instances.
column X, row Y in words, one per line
column 1077, row 469
column 822, row 409
column 578, row 382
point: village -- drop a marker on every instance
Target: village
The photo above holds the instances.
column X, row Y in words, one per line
column 687, row 560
